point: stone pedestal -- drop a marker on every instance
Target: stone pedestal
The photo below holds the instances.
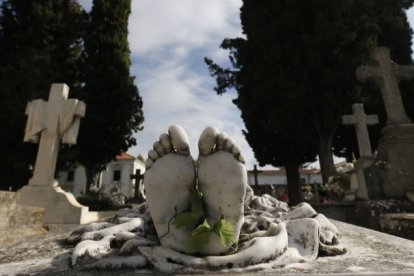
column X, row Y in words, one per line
column 15, row 216
column 357, row 177
column 368, row 213
column 60, row 207
column 398, row 224
column 392, row 173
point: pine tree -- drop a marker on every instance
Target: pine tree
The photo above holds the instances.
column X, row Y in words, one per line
column 114, row 106
column 40, row 43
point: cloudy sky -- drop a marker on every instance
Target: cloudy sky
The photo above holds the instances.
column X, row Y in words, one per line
column 168, row 41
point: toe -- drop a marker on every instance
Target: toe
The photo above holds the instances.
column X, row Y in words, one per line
column 237, row 153
column 179, row 139
column 153, row 155
column 166, row 142
column 159, row 149
column 221, row 140
column 228, row 146
column 207, row 141
column 148, row 163
column 236, row 150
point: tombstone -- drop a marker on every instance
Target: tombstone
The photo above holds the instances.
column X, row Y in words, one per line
column 139, row 190
column 393, row 169
column 50, row 123
column 387, row 75
column 256, row 181
column 360, row 120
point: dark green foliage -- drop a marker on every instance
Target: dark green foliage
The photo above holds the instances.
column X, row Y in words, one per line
column 295, row 75
column 97, row 201
column 114, row 107
column 394, row 33
column 40, row 43
column 46, row 41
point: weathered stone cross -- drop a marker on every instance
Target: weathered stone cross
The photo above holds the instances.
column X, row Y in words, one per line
column 255, row 173
column 361, row 120
column 387, row 75
column 50, row 122
column 137, row 177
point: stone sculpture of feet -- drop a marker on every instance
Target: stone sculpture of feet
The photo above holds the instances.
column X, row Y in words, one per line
column 169, row 177
column 222, row 178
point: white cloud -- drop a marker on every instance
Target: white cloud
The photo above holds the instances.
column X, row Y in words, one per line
column 168, row 40
column 175, row 94
column 173, row 37
column 157, row 25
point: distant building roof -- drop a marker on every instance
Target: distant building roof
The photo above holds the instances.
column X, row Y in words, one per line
column 125, row 156
column 302, row 171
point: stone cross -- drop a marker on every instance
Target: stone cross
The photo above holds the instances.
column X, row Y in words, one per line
column 255, row 173
column 387, row 75
column 52, row 122
column 137, row 177
column 360, row 120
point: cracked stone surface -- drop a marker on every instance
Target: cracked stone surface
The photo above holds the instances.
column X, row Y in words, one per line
column 368, row 252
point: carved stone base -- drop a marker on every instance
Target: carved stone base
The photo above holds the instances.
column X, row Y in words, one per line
column 60, row 207
column 357, row 177
column 392, row 173
column 397, row 224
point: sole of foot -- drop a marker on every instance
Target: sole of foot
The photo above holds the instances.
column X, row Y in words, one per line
column 222, row 179
column 169, row 177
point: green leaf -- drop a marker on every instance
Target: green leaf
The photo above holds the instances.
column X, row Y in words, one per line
column 199, row 237
column 202, row 228
column 185, row 219
column 225, row 231
column 195, row 243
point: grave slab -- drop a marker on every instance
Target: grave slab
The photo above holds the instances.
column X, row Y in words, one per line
column 369, row 253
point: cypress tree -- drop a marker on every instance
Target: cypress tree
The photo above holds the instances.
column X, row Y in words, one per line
column 394, row 33
column 294, row 74
column 114, row 106
column 40, row 43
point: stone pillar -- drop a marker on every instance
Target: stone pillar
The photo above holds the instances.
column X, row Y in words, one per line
column 395, row 160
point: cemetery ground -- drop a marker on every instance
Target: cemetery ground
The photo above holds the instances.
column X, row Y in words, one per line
column 368, row 253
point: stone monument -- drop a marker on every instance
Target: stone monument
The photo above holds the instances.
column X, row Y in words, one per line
column 203, row 215
column 48, row 124
column 394, row 163
column 360, row 120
